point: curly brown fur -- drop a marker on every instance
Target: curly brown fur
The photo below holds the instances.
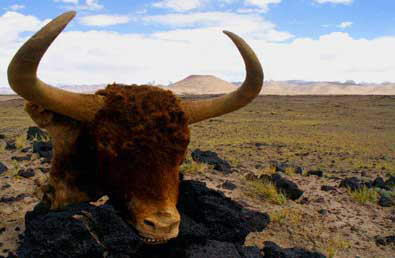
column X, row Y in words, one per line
column 142, row 136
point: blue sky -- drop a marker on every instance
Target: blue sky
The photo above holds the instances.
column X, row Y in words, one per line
column 132, row 41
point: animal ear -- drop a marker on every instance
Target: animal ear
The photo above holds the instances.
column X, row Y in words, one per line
column 39, row 115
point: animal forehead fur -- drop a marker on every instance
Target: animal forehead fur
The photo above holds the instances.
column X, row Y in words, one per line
column 140, row 124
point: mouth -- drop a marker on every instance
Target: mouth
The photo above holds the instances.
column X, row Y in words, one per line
column 154, row 241
column 148, row 239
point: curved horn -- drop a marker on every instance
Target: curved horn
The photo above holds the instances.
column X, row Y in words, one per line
column 200, row 110
column 22, row 76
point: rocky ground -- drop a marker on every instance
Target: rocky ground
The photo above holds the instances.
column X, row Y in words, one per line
column 332, row 196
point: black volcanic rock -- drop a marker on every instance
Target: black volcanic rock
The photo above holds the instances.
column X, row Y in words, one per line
column 318, row 173
column 289, row 188
column 26, row 173
column 352, row 183
column 44, row 149
column 386, row 201
column 23, row 158
column 34, row 132
column 3, row 168
column 327, row 188
column 390, row 182
column 272, row 250
column 388, row 240
column 211, row 158
column 10, row 145
column 228, row 185
column 12, row 199
column 379, row 182
column 212, row 225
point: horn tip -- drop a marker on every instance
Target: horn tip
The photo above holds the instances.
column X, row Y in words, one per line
column 70, row 14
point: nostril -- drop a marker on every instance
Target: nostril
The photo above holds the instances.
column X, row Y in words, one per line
column 149, row 223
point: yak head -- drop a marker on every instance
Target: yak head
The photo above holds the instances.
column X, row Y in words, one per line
column 139, row 133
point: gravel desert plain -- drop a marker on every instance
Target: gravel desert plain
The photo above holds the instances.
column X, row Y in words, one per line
column 322, row 168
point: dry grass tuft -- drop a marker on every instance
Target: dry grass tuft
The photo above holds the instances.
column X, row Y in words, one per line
column 287, row 216
column 335, row 244
column 2, row 147
column 190, row 167
column 364, row 195
column 21, row 141
column 263, row 189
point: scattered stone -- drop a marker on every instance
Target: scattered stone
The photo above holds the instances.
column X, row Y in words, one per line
column 304, row 200
column 352, row 183
column 390, row 182
column 258, row 166
column 328, row 188
column 212, row 225
column 211, row 158
column 379, row 182
column 228, row 185
column 3, row 168
column 251, row 176
column 272, row 250
column 318, row 173
column 28, row 157
column 26, row 173
column 289, row 188
column 278, row 166
column 323, row 212
column 44, row 149
column 35, row 133
column 5, row 186
column 10, row 145
column 299, row 170
column 27, row 149
column 386, row 201
column 19, row 197
column 388, row 240
column 44, row 170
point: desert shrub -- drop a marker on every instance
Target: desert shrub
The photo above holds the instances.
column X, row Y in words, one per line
column 364, row 195
column 266, row 190
column 2, row 147
column 21, row 141
column 286, row 216
column 335, row 244
column 190, row 166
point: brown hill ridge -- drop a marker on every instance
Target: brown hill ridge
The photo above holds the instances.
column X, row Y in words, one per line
column 208, row 84
column 201, row 84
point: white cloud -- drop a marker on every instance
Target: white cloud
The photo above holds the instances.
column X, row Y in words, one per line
column 254, row 25
column 262, row 4
column 95, row 57
column 334, row 1
column 104, row 20
column 16, row 7
column 91, row 5
column 179, row 5
column 227, row 1
column 68, row 1
column 88, row 5
column 345, row 25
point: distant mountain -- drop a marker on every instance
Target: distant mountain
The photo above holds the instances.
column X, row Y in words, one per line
column 208, row 84
column 201, row 84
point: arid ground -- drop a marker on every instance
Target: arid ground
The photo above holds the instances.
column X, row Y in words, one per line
column 342, row 136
